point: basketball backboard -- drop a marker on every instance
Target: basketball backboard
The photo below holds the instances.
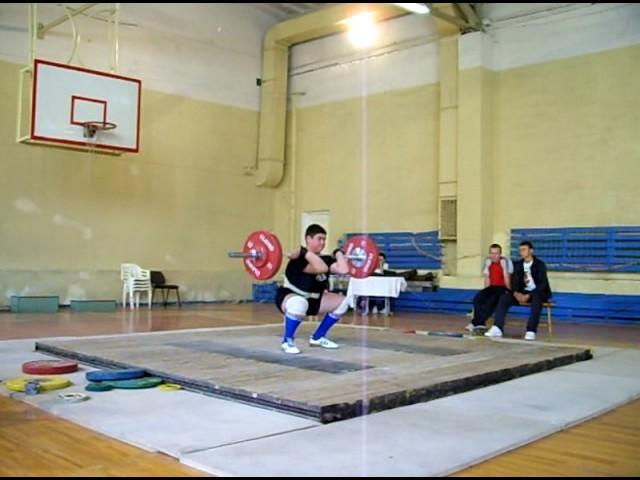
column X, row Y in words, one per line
column 65, row 97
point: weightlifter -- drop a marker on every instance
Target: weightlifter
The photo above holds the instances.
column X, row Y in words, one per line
column 304, row 291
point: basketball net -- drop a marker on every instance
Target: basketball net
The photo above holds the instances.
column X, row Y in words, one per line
column 92, row 142
column 93, row 136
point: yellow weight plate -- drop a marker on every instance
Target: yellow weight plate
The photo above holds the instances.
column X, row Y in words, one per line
column 46, row 383
column 169, row 387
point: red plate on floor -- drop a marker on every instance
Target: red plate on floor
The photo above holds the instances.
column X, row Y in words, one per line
column 49, row 367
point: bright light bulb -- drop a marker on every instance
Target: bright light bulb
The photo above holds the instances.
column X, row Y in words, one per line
column 362, row 30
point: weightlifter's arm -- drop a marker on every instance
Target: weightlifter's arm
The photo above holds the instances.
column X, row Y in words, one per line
column 341, row 266
column 316, row 264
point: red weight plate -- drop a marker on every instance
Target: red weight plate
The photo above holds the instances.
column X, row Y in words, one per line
column 268, row 264
column 49, row 367
column 365, row 246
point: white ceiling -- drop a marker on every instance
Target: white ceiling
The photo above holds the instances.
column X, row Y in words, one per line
column 283, row 11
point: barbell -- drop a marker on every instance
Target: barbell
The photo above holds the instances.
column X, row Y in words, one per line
column 262, row 255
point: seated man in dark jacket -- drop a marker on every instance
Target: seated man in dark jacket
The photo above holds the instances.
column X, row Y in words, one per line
column 529, row 285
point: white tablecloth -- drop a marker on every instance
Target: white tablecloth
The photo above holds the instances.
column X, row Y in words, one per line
column 375, row 287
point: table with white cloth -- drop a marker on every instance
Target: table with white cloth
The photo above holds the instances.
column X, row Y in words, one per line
column 386, row 287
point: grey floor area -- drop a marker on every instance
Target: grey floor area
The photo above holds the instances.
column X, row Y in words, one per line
column 433, row 438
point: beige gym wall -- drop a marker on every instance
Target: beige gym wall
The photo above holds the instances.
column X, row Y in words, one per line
column 567, row 142
column 567, row 151
column 383, row 178
column 563, row 146
column 69, row 219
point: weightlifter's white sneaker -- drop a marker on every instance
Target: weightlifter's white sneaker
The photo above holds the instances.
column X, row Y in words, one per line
column 290, row 347
column 323, row 342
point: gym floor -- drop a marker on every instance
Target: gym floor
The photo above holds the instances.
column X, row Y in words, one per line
column 607, row 445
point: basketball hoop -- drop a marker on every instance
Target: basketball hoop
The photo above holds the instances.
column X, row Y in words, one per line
column 90, row 128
